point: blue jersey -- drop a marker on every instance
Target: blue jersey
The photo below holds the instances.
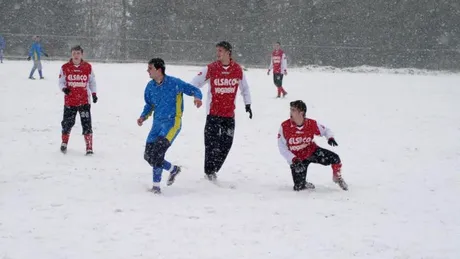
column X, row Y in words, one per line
column 36, row 51
column 166, row 102
column 2, row 42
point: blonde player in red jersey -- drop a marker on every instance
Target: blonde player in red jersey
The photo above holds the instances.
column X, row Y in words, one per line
column 225, row 77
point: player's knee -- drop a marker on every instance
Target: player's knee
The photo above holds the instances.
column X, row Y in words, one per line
column 155, row 152
column 67, row 125
column 335, row 159
column 87, row 129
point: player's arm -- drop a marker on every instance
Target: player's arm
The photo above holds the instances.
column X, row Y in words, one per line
column 92, row 85
column 62, row 82
column 270, row 66
column 283, row 147
column 244, row 90
column 284, row 64
column 190, row 90
column 326, row 132
column 148, row 107
column 43, row 52
column 200, row 79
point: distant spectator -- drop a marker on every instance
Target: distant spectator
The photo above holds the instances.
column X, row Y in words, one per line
column 2, row 47
column 35, row 52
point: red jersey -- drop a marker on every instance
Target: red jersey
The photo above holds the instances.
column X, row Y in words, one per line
column 224, row 82
column 297, row 141
column 278, row 62
column 80, row 80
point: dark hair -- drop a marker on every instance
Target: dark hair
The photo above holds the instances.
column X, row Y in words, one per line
column 279, row 43
column 226, row 45
column 300, row 105
column 76, row 48
column 158, row 63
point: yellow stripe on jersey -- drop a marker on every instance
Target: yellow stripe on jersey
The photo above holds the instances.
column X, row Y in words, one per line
column 150, row 112
column 177, row 120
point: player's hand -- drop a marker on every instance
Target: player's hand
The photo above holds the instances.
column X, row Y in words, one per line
column 285, row 72
column 268, row 72
column 197, row 102
column 28, row 58
column 66, row 90
column 94, row 98
column 140, row 121
column 332, row 142
column 248, row 109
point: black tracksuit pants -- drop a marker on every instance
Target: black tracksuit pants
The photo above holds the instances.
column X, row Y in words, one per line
column 321, row 156
column 218, row 140
column 70, row 113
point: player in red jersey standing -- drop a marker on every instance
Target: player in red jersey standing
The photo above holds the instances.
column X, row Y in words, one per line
column 225, row 76
column 278, row 63
column 77, row 81
column 295, row 143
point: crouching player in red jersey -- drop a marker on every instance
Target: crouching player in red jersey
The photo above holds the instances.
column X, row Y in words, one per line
column 78, row 83
column 295, row 143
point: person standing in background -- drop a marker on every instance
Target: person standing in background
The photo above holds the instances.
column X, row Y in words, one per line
column 35, row 52
column 278, row 63
column 2, row 47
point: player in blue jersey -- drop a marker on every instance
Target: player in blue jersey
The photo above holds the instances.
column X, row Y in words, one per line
column 35, row 52
column 164, row 98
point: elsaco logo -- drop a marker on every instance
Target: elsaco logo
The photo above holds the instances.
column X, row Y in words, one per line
column 225, row 81
column 77, row 78
column 298, row 143
column 227, row 86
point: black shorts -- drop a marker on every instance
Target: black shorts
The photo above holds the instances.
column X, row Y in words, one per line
column 70, row 113
column 278, row 79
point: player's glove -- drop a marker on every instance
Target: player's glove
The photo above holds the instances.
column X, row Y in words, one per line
column 66, row 90
column 94, row 98
column 248, row 109
column 332, row 142
column 45, row 54
column 28, row 58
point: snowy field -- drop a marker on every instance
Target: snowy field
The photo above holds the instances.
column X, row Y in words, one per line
column 398, row 136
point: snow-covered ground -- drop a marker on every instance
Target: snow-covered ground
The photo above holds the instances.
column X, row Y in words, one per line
column 398, row 138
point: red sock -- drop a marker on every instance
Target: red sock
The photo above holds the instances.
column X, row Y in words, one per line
column 336, row 169
column 65, row 138
column 282, row 90
column 89, row 141
column 279, row 91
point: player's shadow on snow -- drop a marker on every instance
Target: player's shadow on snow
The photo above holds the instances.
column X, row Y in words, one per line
column 318, row 189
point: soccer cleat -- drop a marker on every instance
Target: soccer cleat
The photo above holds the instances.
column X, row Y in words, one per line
column 304, row 186
column 64, row 148
column 156, row 189
column 309, row 186
column 172, row 176
column 339, row 181
column 210, row 177
column 89, row 152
